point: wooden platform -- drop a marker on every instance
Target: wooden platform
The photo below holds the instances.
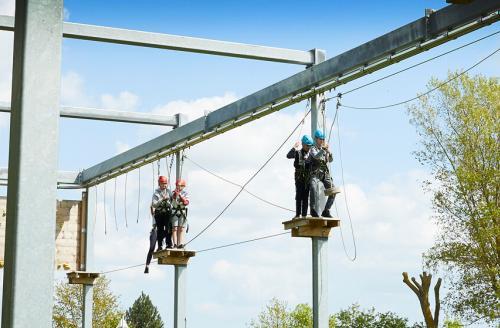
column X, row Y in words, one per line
column 82, row 277
column 172, row 256
column 311, row 226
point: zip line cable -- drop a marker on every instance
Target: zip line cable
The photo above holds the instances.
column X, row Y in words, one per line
column 249, row 180
column 204, row 250
column 95, row 211
column 238, row 185
column 345, row 199
column 416, row 65
column 429, row 91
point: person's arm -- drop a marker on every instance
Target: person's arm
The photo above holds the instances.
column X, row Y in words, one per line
column 317, row 153
column 184, row 198
column 291, row 153
column 157, row 198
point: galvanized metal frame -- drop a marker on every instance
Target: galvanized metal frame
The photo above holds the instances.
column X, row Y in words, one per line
column 175, row 42
column 30, row 248
column 65, row 179
column 418, row 36
column 101, row 114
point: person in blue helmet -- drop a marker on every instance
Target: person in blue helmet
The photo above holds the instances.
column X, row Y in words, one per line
column 302, row 166
column 320, row 158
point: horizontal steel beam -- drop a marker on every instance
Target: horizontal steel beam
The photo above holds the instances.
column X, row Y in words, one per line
column 111, row 115
column 420, row 35
column 176, row 42
column 65, row 179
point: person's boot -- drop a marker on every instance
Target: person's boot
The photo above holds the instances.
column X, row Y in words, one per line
column 314, row 214
column 146, row 270
column 326, row 214
column 332, row 191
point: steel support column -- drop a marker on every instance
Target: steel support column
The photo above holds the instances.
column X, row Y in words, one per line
column 87, row 258
column 180, row 296
column 180, row 270
column 319, row 244
column 320, row 281
column 31, row 195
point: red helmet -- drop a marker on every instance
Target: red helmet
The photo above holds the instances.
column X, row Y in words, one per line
column 180, row 182
column 162, row 179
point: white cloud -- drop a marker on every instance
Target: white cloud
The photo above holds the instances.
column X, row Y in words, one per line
column 121, row 147
column 73, row 90
column 66, row 14
column 195, row 108
column 125, row 101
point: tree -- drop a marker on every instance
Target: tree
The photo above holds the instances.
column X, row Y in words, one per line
column 422, row 292
column 459, row 126
column 68, row 305
column 276, row 314
column 354, row 317
column 143, row 314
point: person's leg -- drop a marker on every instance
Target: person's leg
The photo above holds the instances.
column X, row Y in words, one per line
column 314, row 192
column 328, row 183
column 168, row 233
column 152, row 242
column 160, row 227
column 305, row 199
column 297, row 198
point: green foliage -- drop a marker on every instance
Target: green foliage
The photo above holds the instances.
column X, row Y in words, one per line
column 452, row 324
column 459, row 126
column 67, row 312
column 276, row 314
column 143, row 314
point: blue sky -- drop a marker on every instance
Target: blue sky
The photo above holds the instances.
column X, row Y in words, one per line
column 227, row 288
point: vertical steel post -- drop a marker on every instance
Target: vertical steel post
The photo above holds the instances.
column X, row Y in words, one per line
column 180, row 270
column 33, row 155
column 320, row 281
column 87, row 258
column 180, row 296
column 319, row 244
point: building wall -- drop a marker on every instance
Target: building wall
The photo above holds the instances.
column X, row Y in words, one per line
column 68, row 238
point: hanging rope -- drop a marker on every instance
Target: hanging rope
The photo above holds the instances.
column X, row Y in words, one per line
column 105, row 217
column 158, row 162
column 114, row 206
column 139, row 195
column 126, row 178
column 95, row 211
column 154, row 182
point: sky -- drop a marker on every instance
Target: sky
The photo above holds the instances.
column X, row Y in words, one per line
column 374, row 163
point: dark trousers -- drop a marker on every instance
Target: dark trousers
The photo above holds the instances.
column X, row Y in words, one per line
column 163, row 230
column 152, row 242
column 301, row 197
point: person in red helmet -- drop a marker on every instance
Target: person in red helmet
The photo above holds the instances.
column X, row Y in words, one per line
column 162, row 205
column 180, row 201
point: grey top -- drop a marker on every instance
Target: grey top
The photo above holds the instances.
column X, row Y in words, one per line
column 159, row 195
column 320, row 157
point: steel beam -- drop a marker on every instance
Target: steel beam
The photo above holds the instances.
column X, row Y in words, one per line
column 404, row 42
column 28, row 281
column 64, row 178
column 111, row 115
column 176, row 42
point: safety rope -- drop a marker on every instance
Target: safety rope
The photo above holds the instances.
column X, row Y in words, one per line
column 238, row 185
column 249, row 180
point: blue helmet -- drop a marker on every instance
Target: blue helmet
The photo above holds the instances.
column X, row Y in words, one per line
column 319, row 134
column 306, row 140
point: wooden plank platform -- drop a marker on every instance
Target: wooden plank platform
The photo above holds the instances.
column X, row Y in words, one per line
column 82, row 277
column 172, row 256
column 311, row 226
